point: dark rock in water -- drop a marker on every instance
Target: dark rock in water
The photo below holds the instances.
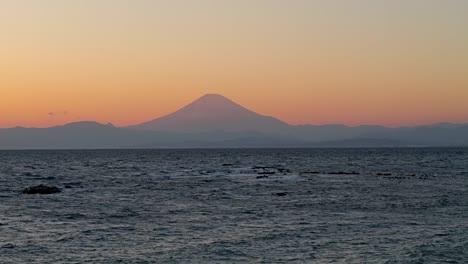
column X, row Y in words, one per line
column 281, row 194
column 384, row 174
column 41, row 189
column 68, row 187
column 310, row 172
column 343, row 173
column 8, row 246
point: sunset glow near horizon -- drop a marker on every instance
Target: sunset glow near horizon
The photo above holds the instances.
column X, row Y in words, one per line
column 392, row 63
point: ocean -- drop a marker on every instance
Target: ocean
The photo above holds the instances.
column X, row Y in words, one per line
column 388, row 205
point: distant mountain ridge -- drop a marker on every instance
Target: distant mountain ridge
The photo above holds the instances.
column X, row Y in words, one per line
column 213, row 121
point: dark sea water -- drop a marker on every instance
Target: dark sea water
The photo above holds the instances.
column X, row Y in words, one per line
column 219, row 206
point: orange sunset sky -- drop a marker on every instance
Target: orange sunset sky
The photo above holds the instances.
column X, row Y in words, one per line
column 392, row 63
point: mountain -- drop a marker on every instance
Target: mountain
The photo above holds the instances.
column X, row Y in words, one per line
column 442, row 134
column 79, row 135
column 213, row 121
column 214, row 112
column 93, row 135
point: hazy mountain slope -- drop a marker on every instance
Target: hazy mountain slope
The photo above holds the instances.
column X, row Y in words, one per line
column 211, row 113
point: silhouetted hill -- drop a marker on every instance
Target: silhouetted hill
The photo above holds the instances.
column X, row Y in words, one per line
column 432, row 135
column 81, row 135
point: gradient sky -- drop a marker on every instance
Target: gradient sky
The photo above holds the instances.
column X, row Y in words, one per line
column 393, row 63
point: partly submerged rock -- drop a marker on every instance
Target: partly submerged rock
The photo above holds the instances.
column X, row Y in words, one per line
column 41, row 189
column 343, row 173
column 9, row 246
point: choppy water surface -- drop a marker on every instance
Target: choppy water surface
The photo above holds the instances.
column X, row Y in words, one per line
column 255, row 206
